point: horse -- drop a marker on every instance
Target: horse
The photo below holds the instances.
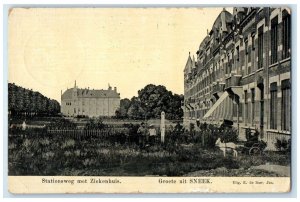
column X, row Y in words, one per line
column 226, row 146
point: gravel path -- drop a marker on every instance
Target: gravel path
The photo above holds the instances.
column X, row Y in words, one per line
column 280, row 170
column 254, row 171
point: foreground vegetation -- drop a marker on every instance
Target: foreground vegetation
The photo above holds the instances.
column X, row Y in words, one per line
column 35, row 151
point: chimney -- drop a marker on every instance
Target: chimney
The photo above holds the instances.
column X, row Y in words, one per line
column 115, row 89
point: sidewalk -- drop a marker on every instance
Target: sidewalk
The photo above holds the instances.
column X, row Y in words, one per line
column 280, row 170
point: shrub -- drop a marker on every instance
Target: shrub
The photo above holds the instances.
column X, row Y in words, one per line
column 283, row 145
column 228, row 135
column 94, row 124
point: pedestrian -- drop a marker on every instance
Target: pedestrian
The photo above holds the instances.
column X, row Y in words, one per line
column 152, row 135
column 142, row 133
column 178, row 127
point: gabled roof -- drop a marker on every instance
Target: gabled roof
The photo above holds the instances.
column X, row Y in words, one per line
column 223, row 18
column 189, row 65
column 90, row 93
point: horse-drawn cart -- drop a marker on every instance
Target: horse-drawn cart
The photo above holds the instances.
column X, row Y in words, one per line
column 253, row 146
column 256, row 148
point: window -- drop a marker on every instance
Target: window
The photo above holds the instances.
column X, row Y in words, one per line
column 228, row 64
column 252, row 105
column 273, row 106
column 246, row 106
column 286, row 105
column 222, row 67
column 253, row 41
column 246, row 47
column 261, row 118
column 274, row 39
column 237, row 53
column 240, row 109
column 260, row 46
column 248, row 69
column 286, row 34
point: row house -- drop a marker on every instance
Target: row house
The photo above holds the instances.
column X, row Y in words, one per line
column 241, row 74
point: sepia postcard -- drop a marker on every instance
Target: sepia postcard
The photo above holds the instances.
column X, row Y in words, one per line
column 149, row 100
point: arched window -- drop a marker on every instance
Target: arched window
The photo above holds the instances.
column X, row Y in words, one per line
column 286, row 34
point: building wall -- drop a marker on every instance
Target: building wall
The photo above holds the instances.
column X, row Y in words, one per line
column 90, row 106
column 230, row 62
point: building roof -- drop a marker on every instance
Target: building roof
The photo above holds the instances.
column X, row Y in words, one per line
column 90, row 93
column 189, row 65
column 203, row 43
column 221, row 21
column 221, row 25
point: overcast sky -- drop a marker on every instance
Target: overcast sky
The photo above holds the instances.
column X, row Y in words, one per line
column 126, row 48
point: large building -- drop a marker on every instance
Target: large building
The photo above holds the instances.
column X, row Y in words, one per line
column 91, row 103
column 242, row 73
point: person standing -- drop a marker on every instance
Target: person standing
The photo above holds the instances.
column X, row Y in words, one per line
column 142, row 133
column 152, row 134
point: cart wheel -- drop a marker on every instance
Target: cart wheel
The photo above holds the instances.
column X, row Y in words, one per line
column 255, row 151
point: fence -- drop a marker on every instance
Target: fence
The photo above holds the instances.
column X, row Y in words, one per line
column 33, row 131
column 205, row 137
column 111, row 134
column 271, row 137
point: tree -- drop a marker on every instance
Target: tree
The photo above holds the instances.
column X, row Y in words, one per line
column 122, row 112
column 151, row 101
column 155, row 99
column 135, row 111
column 12, row 99
column 27, row 101
column 23, row 101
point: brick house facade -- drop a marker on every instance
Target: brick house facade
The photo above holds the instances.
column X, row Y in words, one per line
column 242, row 73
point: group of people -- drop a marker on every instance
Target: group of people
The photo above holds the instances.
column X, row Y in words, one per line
column 147, row 135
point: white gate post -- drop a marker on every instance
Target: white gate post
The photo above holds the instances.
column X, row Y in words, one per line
column 162, row 127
